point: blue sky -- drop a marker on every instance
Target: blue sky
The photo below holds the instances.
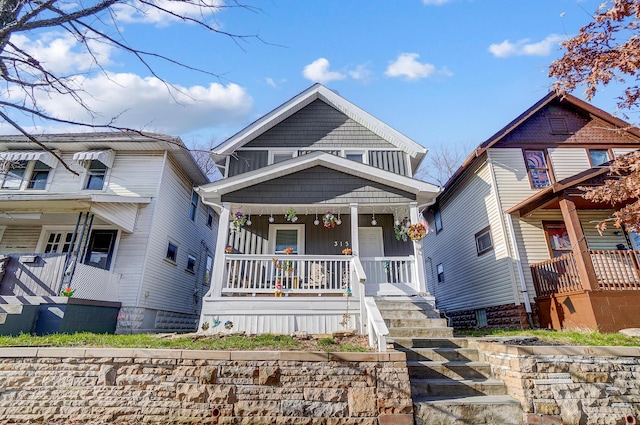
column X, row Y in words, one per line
column 443, row 72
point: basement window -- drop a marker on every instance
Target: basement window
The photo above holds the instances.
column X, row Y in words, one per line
column 481, row 317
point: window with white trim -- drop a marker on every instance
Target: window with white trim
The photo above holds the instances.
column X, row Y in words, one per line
column 283, row 236
column 193, row 208
column 355, row 156
column 440, row 272
column 208, row 270
column 96, row 175
column 279, row 156
column 191, row 263
column 484, row 242
column 59, row 242
column 172, row 252
column 13, row 174
column 39, row 176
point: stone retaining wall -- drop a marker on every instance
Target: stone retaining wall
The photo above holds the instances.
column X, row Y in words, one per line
column 55, row 385
column 567, row 384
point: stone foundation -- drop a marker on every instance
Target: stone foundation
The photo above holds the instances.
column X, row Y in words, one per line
column 55, row 385
column 567, row 384
column 507, row 316
column 139, row 320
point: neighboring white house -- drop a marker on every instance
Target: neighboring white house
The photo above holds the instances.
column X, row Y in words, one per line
column 311, row 194
column 123, row 223
column 513, row 211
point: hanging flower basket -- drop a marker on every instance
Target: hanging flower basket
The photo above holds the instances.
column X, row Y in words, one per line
column 291, row 215
column 238, row 222
column 417, row 231
column 329, row 220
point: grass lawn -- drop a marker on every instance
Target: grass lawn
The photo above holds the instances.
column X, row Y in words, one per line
column 567, row 337
column 187, row 342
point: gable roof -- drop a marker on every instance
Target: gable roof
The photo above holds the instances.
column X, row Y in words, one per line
column 522, row 118
column 425, row 192
column 315, row 92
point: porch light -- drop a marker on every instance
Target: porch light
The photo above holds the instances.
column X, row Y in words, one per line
column 373, row 219
column 316, row 221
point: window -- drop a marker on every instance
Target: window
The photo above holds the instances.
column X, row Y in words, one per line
column 208, row 269
column 281, row 156
column 440, row 272
column 557, row 238
column 598, row 156
column 13, row 174
column 101, row 246
column 210, row 216
column 96, row 173
column 39, row 176
column 193, row 209
column 481, row 317
column 59, row 242
column 483, row 241
column 537, row 169
column 282, row 236
column 191, row 263
column 355, row 156
column 437, row 218
column 172, row 252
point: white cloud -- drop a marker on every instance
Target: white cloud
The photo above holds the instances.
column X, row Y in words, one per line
column 407, row 65
column 361, row 72
column 61, row 53
column 148, row 104
column 318, row 72
column 435, row 2
column 137, row 11
column 525, row 47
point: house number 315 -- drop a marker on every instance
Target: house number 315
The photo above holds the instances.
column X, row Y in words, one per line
column 340, row 243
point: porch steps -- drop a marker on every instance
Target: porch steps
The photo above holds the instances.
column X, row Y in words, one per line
column 449, row 383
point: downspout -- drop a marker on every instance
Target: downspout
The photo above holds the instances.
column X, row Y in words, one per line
column 516, row 257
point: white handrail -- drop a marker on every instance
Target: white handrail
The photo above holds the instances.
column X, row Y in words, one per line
column 378, row 330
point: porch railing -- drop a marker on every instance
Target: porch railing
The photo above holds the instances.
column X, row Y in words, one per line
column 615, row 270
column 556, row 276
column 389, row 270
column 286, row 274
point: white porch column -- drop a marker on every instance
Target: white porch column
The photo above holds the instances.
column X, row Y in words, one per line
column 417, row 249
column 355, row 245
column 220, row 257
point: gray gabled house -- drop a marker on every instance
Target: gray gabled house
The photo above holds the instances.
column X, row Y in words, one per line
column 311, row 195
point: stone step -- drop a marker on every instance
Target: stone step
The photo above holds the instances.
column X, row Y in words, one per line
column 456, row 387
column 420, row 333
column 468, row 410
column 441, row 354
column 419, row 342
column 452, row 370
column 415, row 322
column 405, row 305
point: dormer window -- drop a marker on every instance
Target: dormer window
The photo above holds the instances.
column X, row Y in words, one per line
column 279, row 156
column 39, row 176
column 13, row 174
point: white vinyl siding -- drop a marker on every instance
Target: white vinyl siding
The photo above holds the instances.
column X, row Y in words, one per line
column 172, row 223
column 567, row 162
column 20, row 240
column 621, row 151
column 471, row 281
column 511, row 176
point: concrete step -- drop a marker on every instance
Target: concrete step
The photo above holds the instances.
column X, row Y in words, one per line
column 451, row 370
column 11, row 308
column 405, row 305
column 415, row 322
column 420, row 342
column 409, row 314
column 456, row 387
column 420, row 333
column 441, row 354
column 467, row 410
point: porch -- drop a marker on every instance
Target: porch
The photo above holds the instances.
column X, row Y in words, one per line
column 607, row 301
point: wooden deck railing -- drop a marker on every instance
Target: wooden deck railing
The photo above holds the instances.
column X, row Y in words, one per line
column 556, row 276
column 615, row 270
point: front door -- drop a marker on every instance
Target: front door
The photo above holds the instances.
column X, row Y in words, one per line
column 370, row 242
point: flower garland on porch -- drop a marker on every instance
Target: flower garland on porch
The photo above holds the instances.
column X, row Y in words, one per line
column 401, row 229
column 329, row 220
